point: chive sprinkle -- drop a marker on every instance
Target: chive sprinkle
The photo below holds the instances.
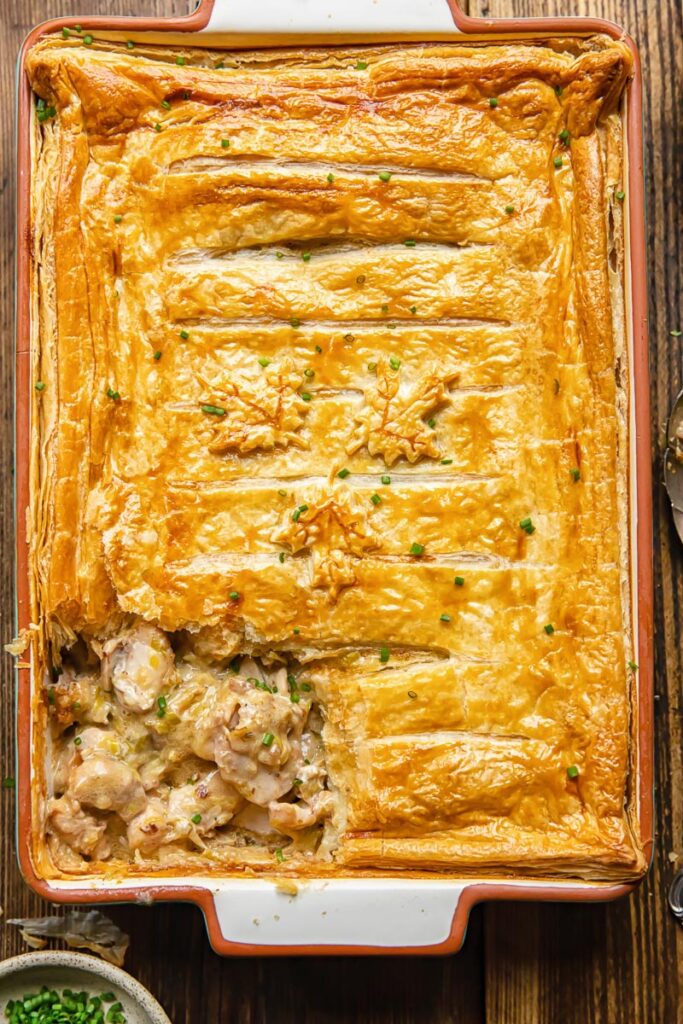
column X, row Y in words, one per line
column 621, row 195
column 114, row 395
column 225, row 143
column 509, row 209
column 493, row 102
column 444, row 617
column 263, row 361
column 527, row 525
column 180, row 61
column 281, row 556
column 675, row 334
column 360, row 279
column 166, row 105
column 575, row 474
column 195, row 819
column 282, row 493
column 279, row 255
column 343, row 473
column 157, row 356
column 386, row 480
column 40, row 385
column 234, row 595
column 279, row 854
column 360, row 65
column 384, row 175
column 117, row 218
column 213, row 410
column 157, row 127
column 78, row 741
column 564, row 136
column 309, row 373
column 184, row 335
column 296, row 514
column 78, row 28
column 572, row 772
column 384, row 655
column 294, row 698
column 558, row 162
column 330, row 177
column 431, row 423
column 65, row 33
column 372, row 367
column 416, row 549
column 459, row 581
column 318, row 349
column 306, row 396
column 296, row 631
column 375, row 499
column 410, row 243
column 267, row 739
column 384, row 307
column 632, row 665
column 549, row 629
column 130, row 44
column 295, row 322
column 305, row 256
column 88, row 40
column 413, row 309
column 447, row 462
column 394, row 363
column 220, row 65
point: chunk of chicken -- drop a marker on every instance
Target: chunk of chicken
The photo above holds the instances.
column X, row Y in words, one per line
column 81, row 832
column 138, row 666
column 152, row 828
column 78, row 696
column 108, row 784
column 212, row 798
column 314, row 803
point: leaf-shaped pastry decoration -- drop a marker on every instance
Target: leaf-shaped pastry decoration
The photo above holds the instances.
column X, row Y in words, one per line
column 265, row 413
column 391, row 423
column 334, row 531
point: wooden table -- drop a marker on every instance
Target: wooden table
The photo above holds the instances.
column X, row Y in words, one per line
column 620, row 963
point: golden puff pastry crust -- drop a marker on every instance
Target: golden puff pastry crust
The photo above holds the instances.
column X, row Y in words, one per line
column 334, row 376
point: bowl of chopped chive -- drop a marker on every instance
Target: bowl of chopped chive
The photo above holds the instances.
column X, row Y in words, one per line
column 73, row 988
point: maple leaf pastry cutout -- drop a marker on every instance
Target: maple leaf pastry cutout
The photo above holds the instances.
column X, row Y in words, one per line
column 264, row 413
column 391, row 423
column 336, row 533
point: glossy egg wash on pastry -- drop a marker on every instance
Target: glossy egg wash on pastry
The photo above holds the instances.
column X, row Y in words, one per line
column 329, row 531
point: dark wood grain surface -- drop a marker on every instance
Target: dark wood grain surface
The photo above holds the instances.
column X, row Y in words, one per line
column 618, row 963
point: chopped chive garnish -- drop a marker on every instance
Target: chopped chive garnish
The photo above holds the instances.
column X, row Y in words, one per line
column 295, row 698
column 394, row 363
column 298, row 511
column 157, row 356
column 279, row 255
column 281, row 556
column 65, row 33
column 493, row 102
column 575, row 474
column 88, row 40
column 459, row 581
column 309, row 373
column 234, row 595
column 410, row 243
column 166, row 105
column 675, row 334
column 195, row 819
column 372, row 367
column 78, row 28
column 305, row 687
column 213, row 410
column 558, row 161
column 305, row 256
column 558, row 90
column 413, row 309
column 306, row 396
column 444, row 617
column 220, row 65
column 184, row 335
column 564, row 136
column 384, row 175
column 279, row 854
column 412, row 694
column 343, row 473
column 549, row 629
column 51, row 696
column 360, row 65
column 296, row 631
column 384, row 655
column 527, row 525
column 157, row 127
column 384, row 307
column 118, row 218
column 130, row 44
column 621, row 195
column 431, row 423
column 509, row 209
column 162, row 703
column 447, row 462
column 632, row 665
column 78, row 741
column 330, row 177
column 225, row 143
column 45, row 113
column 114, row 395
column 318, row 349
column 416, row 549
column 386, row 480
column 282, row 493
column 375, row 499
column 572, row 772
column 39, row 385
column 263, row 361
column 267, row 739
column 360, row 279
column 295, row 322
column 180, row 61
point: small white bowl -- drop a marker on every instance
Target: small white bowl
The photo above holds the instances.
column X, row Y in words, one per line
column 60, row 969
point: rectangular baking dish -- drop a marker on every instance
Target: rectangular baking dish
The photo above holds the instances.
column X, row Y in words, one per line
column 410, row 913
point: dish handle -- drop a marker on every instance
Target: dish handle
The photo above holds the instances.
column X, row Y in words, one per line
column 308, row 17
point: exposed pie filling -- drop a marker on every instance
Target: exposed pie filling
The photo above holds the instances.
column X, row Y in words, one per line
column 328, row 520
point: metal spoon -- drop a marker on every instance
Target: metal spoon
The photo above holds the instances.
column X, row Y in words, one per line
column 673, row 463
column 676, row 896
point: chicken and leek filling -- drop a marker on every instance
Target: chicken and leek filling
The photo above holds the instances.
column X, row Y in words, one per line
column 155, row 746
